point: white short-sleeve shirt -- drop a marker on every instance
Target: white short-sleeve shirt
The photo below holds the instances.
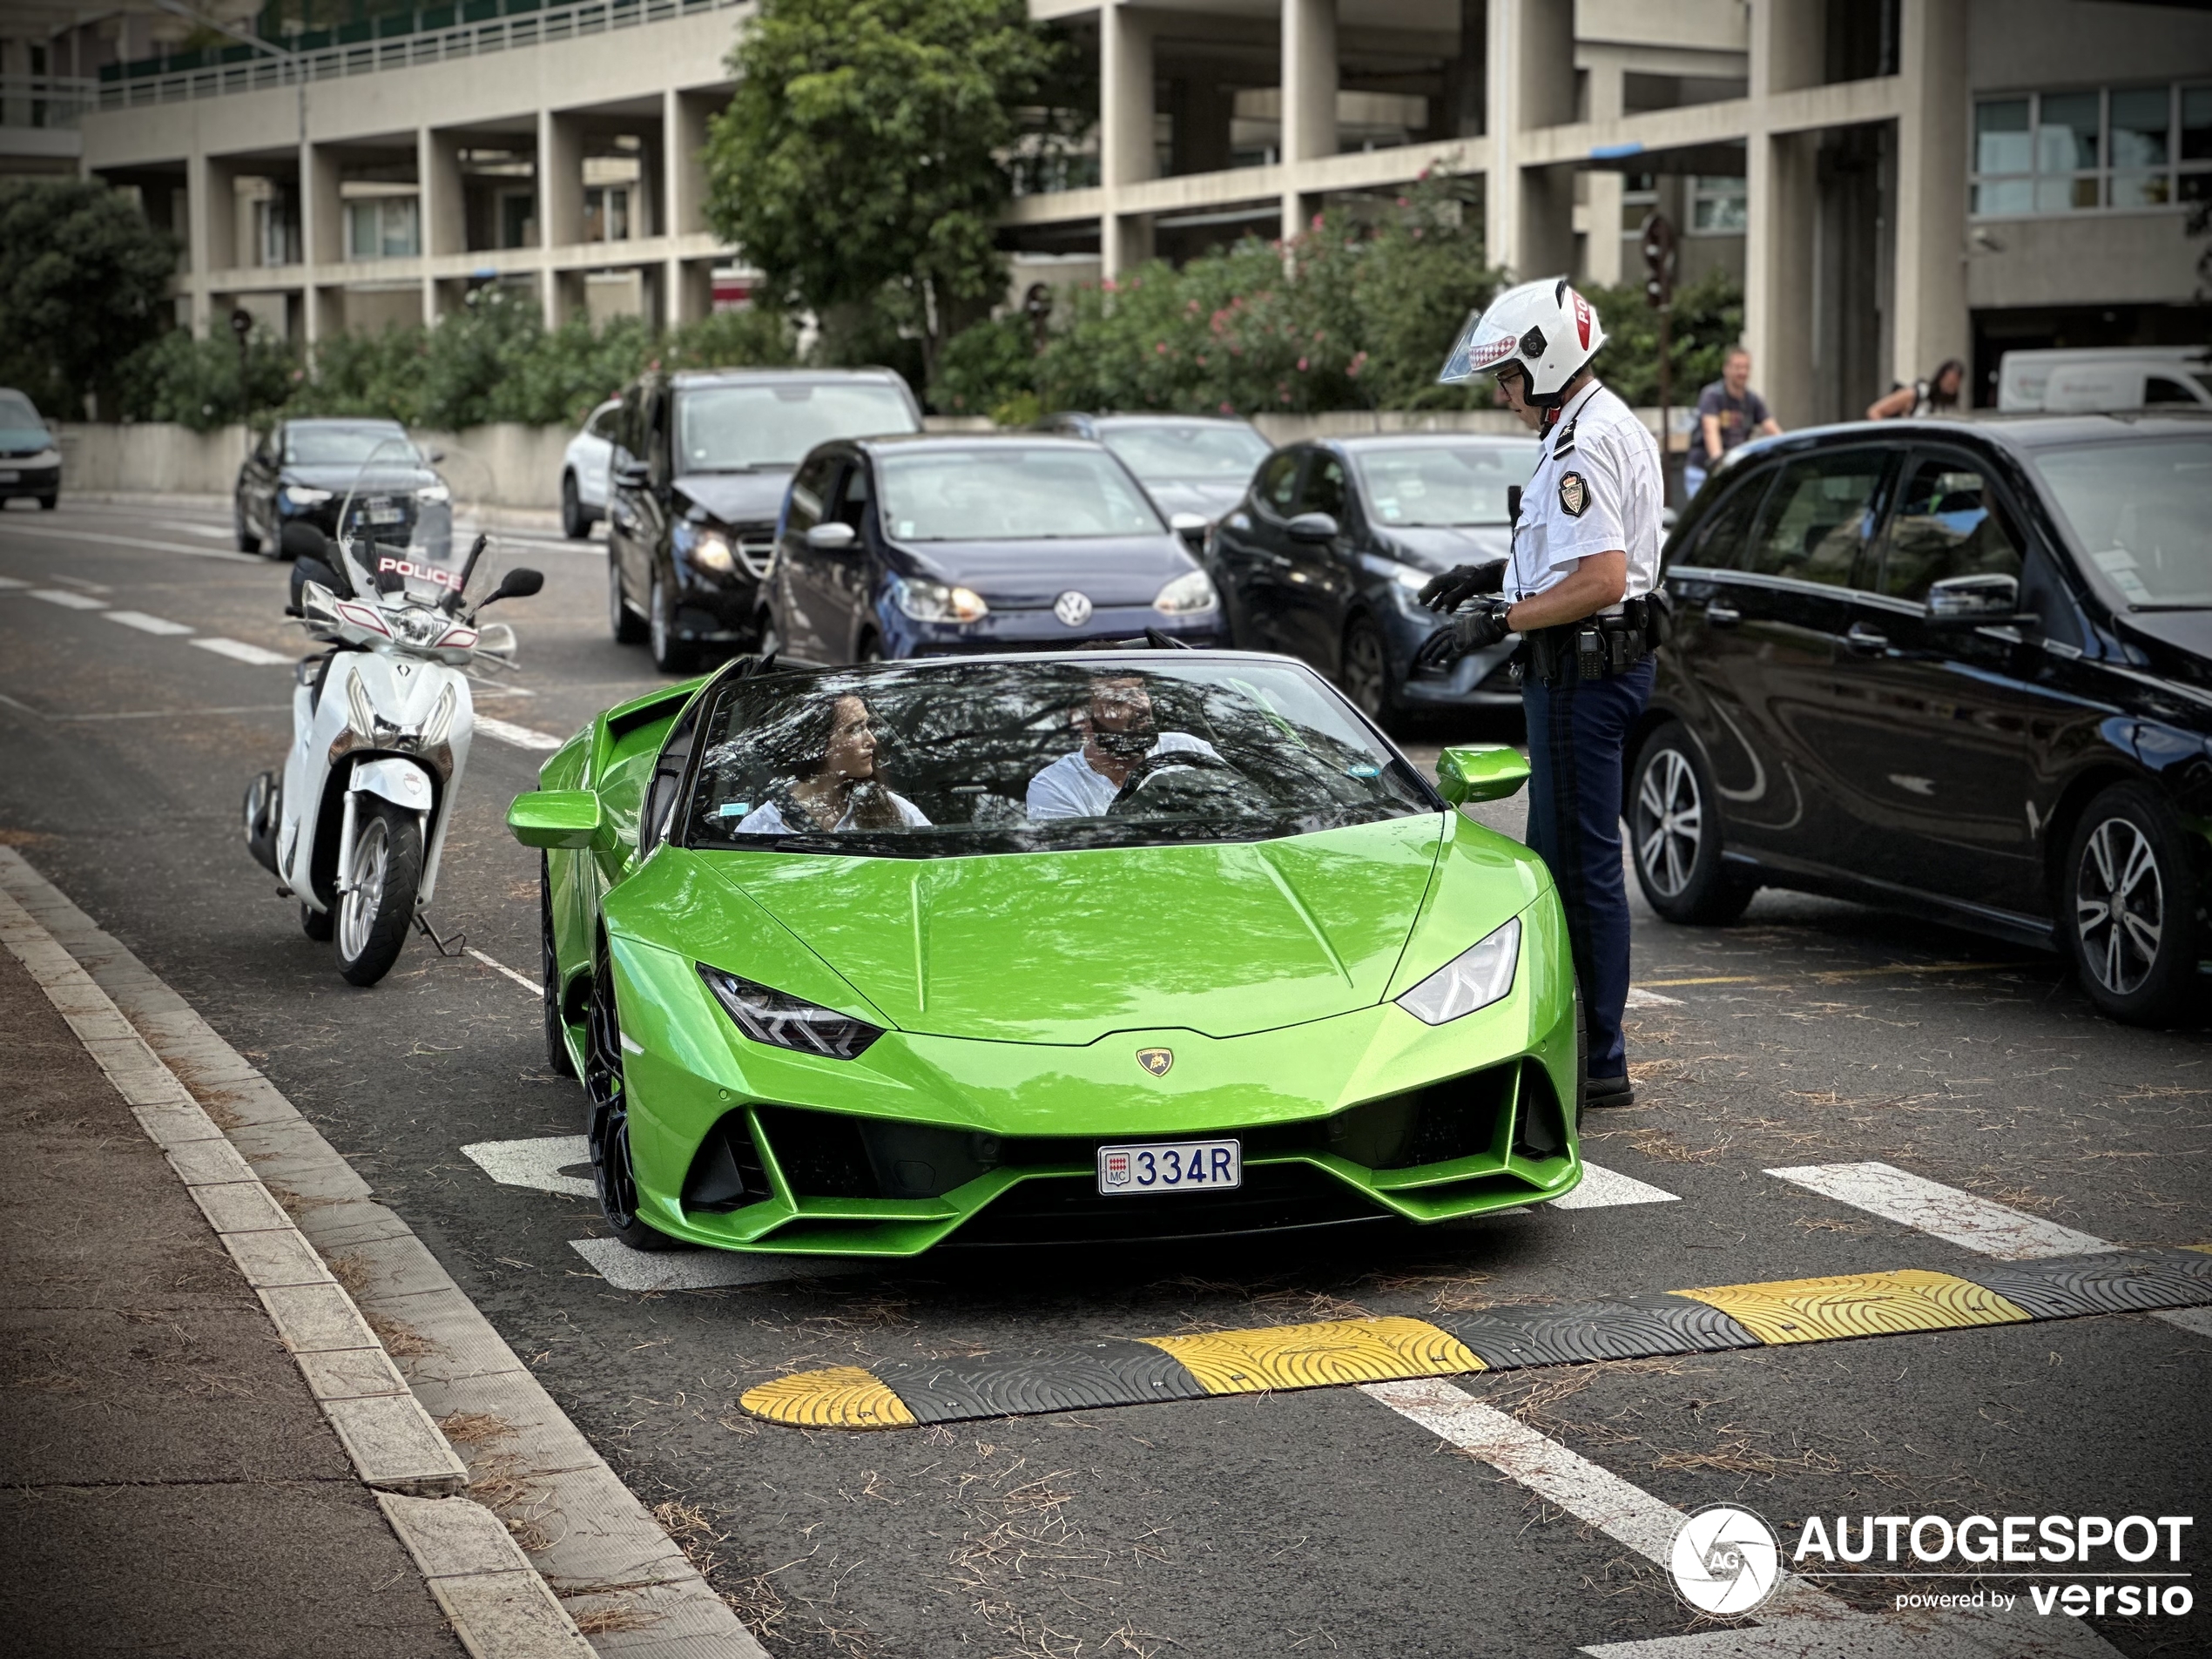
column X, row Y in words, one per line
column 1596, row 490
column 768, row 819
column 1070, row 787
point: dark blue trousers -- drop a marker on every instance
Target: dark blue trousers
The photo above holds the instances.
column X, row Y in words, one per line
column 1576, row 732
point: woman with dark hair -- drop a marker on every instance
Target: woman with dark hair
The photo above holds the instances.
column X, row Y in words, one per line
column 1938, row 395
column 825, row 776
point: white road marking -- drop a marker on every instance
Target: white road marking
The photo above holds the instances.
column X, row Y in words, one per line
column 520, row 735
column 1601, row 1189
column 1979, row 1225
column 145, row 624
column 701, row 1270
column 138, row 542
column 70, row 601
column 530, row 985
column 214, row 532
column 11, row 582
column 1640, row 998
column 82, row 585
column 238, row 650
column 535, row 1165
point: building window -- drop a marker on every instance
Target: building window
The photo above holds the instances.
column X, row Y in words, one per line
column 382, row 228
column 1639, row 200
column 2077, row 152
column 1718, row 206
column 518, row 218
column 606, row 213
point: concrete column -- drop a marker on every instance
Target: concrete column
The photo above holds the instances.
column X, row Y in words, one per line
column 1125, row 151
column 1602, row 262
column 1782, row 192
column 322, row 239
column 1530, row 217
column 560, row 211
column 202, row 182
column 1309, row 31
column 1932, row 320
column 687, row 294
column 439, row 209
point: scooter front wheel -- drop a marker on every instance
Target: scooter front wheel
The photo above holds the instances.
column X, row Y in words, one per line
column 374, row 914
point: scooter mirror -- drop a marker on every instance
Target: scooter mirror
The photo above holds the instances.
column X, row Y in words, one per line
column 518, row 583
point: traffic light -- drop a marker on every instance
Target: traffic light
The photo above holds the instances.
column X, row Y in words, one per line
column 1659, row 260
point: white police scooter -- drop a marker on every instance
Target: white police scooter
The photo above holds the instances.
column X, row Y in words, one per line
column 382, row 718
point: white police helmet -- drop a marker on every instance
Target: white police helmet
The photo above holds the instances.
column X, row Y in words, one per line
column 1544, row 330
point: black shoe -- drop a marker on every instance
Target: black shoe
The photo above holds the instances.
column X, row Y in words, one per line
column 1610, row 1091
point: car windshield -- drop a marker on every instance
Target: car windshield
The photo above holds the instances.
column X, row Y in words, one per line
column 2136, row 510
column 1179, row 452
column 19, row 419
column 343, row 446
column 1437, row 484
column 1006, row 492
column 774, row 423
column 973, row 756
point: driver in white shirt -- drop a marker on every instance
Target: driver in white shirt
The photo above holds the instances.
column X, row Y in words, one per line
column 1119, row 734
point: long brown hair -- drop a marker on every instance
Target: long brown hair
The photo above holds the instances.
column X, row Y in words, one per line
column 801, row 749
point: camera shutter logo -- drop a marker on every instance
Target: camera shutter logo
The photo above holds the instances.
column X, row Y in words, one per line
column 1725, row 1560
column 1072, row 607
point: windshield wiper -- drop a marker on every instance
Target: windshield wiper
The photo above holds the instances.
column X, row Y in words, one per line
column 2199, row 605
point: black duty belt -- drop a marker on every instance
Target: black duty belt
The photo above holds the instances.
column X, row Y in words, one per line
column 1597, row 647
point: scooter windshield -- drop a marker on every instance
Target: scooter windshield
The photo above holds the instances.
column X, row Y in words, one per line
column 410, row 526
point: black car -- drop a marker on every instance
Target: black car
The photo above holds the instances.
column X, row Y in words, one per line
column 1193, row 466
column 1961, row 669
column 301, row 470
column 702, row 460
column 944, row 545
column 1325, row 557
column 31, row 456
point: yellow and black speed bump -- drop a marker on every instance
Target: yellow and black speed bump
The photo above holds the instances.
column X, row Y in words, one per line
column 1132, row 1372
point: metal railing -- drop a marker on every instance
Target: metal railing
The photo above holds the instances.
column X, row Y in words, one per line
column 45, row 100
column 154, row 81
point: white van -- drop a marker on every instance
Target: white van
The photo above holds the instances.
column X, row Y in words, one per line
column 2118, row 377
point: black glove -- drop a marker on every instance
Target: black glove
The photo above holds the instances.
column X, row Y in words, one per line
column 1461, row 583
column 1470, row 631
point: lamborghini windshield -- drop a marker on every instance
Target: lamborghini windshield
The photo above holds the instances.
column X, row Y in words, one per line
column 978, row 755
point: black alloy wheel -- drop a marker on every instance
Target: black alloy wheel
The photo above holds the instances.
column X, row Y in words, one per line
column 608, row 1129
column 1673, row 827
column 1366, row 676
column 2129, row 908
column 574, row 524
column 623, row 623
column 670, row 653
column 549, row 972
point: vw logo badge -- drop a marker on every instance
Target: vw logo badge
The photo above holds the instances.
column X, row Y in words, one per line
column 1156, row 1060
column 1072, row 607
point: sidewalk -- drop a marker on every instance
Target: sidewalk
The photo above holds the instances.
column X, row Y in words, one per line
column 169, row 1484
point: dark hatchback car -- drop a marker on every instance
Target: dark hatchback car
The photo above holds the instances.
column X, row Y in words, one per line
column 299, row 471
column 30, row 455
column 944, row 545
column 702, row 460
column 1963, row 670
column 1193, row 466
column 1325, row 557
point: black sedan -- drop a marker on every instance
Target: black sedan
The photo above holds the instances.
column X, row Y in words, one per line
column 701, row 464
column 301, row 470
column 1195, row 467
column 1325, row 557
column 941, row 546
column 1963, row 670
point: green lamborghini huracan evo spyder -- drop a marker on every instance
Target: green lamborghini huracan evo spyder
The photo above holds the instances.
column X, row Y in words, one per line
column 1111, row 945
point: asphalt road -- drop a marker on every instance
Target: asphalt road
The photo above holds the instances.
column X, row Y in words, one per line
column 1811, row 1034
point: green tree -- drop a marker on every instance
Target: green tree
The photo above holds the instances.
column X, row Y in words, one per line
column 83, row 284
column 203, row 384
column 1707, row 319
column 861, row 161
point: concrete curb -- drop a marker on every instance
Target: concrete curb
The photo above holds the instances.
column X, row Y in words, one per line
column 224, row 1125
column 499, row 1606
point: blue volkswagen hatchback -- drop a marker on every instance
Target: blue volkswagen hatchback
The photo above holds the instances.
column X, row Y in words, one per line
column 931, row 546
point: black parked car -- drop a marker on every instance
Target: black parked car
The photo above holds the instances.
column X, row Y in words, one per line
column 31, row 456
column 300, row 471
column 1326, row 556
column 1193, row 466
column 1961, row 669
column 702, row 460
column 934, row 546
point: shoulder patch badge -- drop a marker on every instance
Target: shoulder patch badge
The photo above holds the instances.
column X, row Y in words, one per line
column 1574, row 494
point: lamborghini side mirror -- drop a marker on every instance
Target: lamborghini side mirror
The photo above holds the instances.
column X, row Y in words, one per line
column 1480, row 772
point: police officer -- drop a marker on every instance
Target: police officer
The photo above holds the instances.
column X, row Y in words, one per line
column 1585, row 561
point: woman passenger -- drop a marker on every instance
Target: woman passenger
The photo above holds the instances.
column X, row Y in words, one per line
column 826, row 777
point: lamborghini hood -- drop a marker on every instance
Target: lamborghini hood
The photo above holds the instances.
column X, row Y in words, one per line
column 1064, row 947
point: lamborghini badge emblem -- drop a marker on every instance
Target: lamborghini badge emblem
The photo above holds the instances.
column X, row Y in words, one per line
column 1156, row 1060
column 1574, row 494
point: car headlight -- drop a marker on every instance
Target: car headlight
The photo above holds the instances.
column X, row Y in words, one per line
column 711, row 551
column 302, row 495
column 1186, row 596
column 1406, row 582
column 1474, row 979
column 928, row 601
column 434, row 493
column 785, row 1021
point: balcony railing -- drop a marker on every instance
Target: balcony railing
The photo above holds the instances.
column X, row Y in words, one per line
column 45, row 100
column 404, row 40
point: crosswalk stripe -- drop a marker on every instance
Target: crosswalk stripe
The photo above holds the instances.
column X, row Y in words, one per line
column 12, row 582
column 67, row 600
column 238, row 651
column 1978, row 1223
column 146, row 624
column 520, row 735
column 1601, row 1189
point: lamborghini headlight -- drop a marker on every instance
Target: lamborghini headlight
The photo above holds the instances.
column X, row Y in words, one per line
column 785, row 1021
column 1186, row 596
column 1473, row 980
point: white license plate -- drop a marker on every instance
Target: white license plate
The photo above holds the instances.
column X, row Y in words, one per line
column 1171, row 1166
column 11, row 477
column 385, row 515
